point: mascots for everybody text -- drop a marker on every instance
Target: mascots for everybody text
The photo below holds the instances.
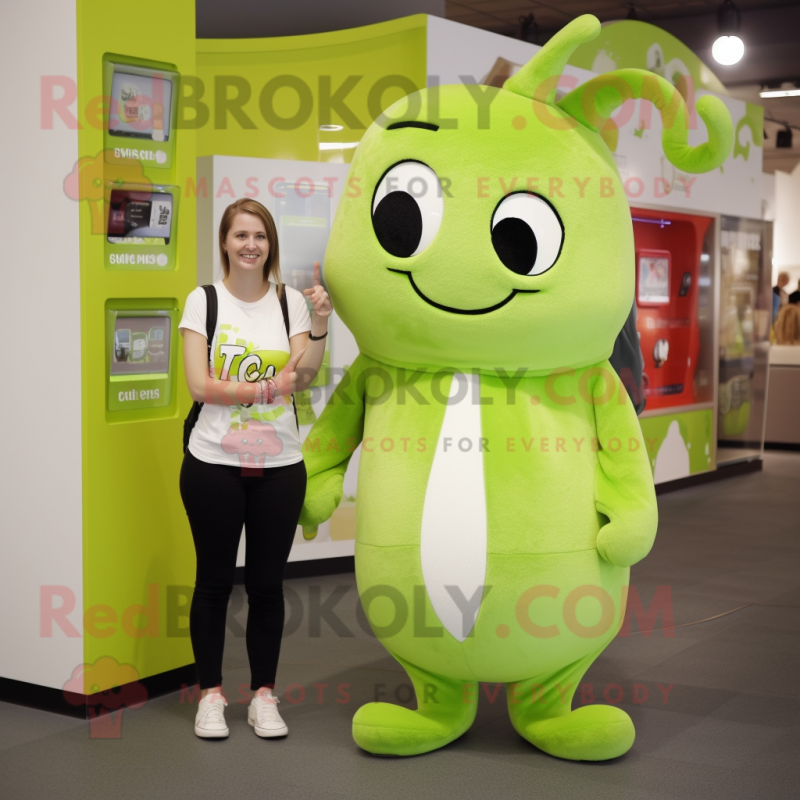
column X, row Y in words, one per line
column 504, row 490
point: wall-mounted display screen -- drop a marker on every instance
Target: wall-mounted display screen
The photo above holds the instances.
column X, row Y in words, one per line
column 141, row 355
column 142, row 111
column 653, row 277
column 141, row 106
column 139, row 217
column 141, row 346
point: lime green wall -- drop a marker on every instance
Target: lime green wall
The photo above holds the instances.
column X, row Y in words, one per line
column 374, row 52
column 135, row 529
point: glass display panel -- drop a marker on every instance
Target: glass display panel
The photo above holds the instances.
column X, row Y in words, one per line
column 139, row 217
column 141, row 346
column 653, row 278
column 141, row 106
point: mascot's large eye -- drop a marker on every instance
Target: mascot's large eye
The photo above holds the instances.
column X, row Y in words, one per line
column 407, row 208
column 527, row 234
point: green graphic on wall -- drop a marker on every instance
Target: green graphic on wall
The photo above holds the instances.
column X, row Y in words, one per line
column 631, row 43
column 753, row 119
column 626, row 44
column 680, row 444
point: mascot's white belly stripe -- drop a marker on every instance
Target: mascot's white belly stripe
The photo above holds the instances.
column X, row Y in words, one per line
column 453, row 539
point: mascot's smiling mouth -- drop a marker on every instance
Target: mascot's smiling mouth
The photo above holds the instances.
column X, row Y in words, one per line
column 462, row 310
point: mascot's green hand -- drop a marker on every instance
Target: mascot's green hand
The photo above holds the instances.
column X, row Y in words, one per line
column 323, row 495
column 625, row 543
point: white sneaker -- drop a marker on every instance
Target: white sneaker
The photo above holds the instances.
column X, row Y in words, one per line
column 263, row 715
column 210, row 720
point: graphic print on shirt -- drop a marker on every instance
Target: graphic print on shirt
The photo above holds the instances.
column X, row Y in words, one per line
column 250, row 435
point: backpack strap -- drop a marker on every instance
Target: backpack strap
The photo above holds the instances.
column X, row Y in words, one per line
column 285, row 311
column 284, row 307
column 211, row 314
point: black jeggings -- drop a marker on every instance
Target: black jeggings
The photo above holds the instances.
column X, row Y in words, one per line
column 219, row 499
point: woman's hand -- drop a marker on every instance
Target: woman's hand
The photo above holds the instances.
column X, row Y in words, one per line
column 286, row 379
column 318, row 297
column 314, row 349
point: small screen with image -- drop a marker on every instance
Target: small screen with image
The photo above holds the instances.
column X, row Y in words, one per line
column 139, row 217
column 140, row 106
column 653, row 280
column 141, row 345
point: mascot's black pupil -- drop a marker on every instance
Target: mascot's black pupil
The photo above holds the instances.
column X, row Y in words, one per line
column 515, row 243
column 398, row 224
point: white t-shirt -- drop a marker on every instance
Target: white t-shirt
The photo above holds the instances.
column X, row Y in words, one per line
column 249, row 343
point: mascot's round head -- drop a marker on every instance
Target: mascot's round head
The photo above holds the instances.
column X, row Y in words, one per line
column 487, row 228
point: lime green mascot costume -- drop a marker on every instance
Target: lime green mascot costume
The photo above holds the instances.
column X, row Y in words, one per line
column 482, row 258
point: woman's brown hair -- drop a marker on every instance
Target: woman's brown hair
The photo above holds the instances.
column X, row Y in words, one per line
column 787, row 326
column 245, row 205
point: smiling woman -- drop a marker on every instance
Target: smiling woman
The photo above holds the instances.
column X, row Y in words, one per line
column 250, row 240
column 243, row 465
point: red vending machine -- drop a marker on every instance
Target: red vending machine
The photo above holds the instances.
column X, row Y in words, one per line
column 668, row 252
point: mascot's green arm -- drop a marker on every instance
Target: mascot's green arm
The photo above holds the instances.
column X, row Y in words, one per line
column 623, row 486
column 331, row 442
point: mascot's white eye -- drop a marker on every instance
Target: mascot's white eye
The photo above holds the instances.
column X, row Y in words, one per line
column 407, row 208
column 527, row 233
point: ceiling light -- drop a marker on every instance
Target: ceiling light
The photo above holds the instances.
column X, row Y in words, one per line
column 780, row 93
column 728, row 49
column 338, row 145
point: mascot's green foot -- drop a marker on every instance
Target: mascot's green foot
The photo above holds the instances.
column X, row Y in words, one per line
column 442, row 716
column 590, row 733
column 386, row 729
column 540, row 710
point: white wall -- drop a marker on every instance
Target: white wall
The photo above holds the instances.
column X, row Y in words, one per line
column 786, row 254
column 40, row 485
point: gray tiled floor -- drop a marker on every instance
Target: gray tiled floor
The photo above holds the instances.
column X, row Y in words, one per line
column 730, row 726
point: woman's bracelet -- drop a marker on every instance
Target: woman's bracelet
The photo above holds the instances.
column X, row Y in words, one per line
column 267, row 390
